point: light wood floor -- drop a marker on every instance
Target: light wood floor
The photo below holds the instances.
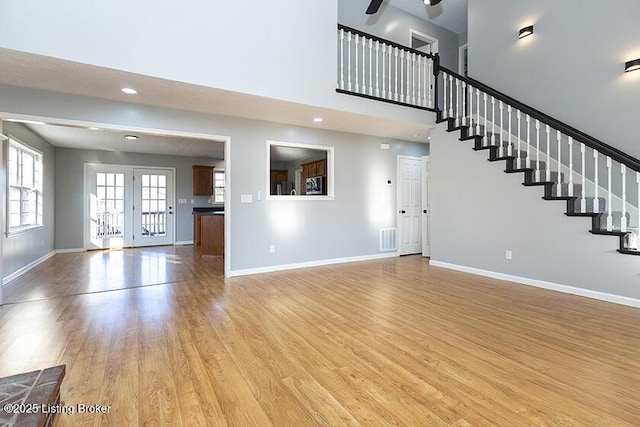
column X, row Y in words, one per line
column 391, row 342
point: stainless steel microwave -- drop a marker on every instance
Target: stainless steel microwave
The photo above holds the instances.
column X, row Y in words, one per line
column 316, row 185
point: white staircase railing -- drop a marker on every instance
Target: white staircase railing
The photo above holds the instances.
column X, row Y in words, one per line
column 380, row 69
column 574, row 165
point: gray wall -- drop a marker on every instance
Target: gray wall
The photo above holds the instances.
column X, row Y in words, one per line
column 478, row 212
column 394, row 24
column 571, row 68
column 23, row 248
column 312, row 230
column 69, row 189
column 345, row 227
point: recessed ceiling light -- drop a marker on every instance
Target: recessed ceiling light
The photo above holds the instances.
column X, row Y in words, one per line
column 318, row 119
column 130, row 137
column 129, row 91
column 93, row 128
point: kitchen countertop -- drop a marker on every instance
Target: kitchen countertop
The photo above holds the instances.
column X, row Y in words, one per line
column 208, row 211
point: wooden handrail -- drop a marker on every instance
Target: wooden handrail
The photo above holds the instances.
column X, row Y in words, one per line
column 388, row 42
column 566, row 129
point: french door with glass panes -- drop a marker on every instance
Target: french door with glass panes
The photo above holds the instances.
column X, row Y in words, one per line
column 128, row 207
column 153, row 207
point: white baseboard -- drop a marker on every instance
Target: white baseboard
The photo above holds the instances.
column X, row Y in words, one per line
column 27, row 267
column 273, row 268
column 70, row 250
column 602, row 296
column 184, row 243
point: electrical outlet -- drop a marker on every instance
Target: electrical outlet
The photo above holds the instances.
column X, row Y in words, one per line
column 272, row 249
column 508, row 254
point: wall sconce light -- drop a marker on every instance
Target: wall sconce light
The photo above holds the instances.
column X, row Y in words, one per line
column 632, row 65
column 526, row 31
column 431, row 2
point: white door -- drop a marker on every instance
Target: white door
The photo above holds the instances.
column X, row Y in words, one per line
column 107, row 221
column 426, row 208
column 409, row 205
column 153, row 207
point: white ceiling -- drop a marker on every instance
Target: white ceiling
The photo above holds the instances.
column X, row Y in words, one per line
column 113, row 140
column 449, row 14
column 52, row 74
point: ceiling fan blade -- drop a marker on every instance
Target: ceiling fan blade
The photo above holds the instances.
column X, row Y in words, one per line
column 373, row 7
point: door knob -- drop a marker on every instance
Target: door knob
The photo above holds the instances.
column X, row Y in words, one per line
column 403, row 212
column 424, row 211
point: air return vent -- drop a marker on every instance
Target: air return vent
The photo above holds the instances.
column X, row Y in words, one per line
column 387, row 239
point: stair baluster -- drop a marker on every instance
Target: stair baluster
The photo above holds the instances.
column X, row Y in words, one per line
column 570, row 166
column 609, row 204
column 583, row 200
column 493, row 118
column 458, row 102
column 390, row 91
column 364, row 68
column 412, row 59
column 637, row 235
column 371, row 67
column 501, row 108
column 596, row 201
column 378, row 70
column 427, row 87
column 528, row 142
column 509, row 146
column 486, row 130
column 355, row 54
column 402, row 97
column 478, row 111
column 445, row 110
column 559, row 187
column 342, row 59
column 518, row 137
column 396, row 75
column 538, row 169
column 465, row 103
column 349, row 62
column 548, row 175
column 469, row 118
column 419, row 90
column 451, row 97
column 623, row 219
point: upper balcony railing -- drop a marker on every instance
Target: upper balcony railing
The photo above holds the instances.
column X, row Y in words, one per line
column 375, row 68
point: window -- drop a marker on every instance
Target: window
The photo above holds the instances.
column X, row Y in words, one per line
column 218, row 187
column 299, row 171
column 24, row 187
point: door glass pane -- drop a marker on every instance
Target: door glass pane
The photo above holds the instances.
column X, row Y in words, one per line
column 154, row 215
column 107, row 222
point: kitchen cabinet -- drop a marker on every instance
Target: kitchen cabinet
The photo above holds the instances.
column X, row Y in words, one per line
column 202, row 180
column 209, row 233
column 315, row 168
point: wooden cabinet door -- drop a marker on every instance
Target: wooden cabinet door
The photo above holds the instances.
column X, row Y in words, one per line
column 202, row 180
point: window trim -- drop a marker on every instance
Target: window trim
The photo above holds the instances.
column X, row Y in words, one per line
column 23, row 147
column 330, row 150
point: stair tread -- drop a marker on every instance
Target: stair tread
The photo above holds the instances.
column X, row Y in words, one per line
column 608, row 233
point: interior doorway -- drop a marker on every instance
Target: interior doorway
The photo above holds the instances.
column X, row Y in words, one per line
column 423, row 42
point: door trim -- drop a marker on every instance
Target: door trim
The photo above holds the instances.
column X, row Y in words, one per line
column 415, row 34
column 425, row 195
column 130, row 171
